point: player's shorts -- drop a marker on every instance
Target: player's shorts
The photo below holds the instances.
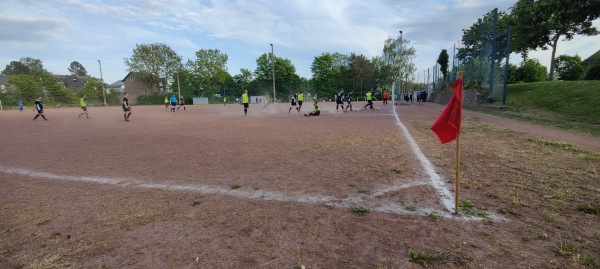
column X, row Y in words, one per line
column 300, row 103
column 125, row 109
column 339, row 102
column 40, row 111
column 84, row 108
column 245, row 105
column 293, row 103
column 370, row 102
column 182, row 104
column 317, row 113
column 173, row 103
column 348, row 101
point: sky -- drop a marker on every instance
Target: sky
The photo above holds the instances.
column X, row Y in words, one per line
column 59, row 32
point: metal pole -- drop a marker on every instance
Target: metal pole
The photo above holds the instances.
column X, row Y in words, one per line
column 102, row 80
column 178, row 88
column 400, row 66
column 506, row 67
column 273, row 69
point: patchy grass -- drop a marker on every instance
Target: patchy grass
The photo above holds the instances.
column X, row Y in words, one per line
column 360, row 210
column 410, row 207
column 422, row 257
column 589, row 209
column 235, row 186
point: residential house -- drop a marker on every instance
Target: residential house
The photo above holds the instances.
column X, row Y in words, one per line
column 72, row 82
column 135, row 85
column 117, row 86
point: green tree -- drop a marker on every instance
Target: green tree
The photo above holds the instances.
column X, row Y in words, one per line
column 443, row 62
column 93, row 90
column 76, row 69
column 397, row 56
column 569, row 67
column 542, row 23
column 513, row 74
column 24, row 87
column 210, row 69
column 476, row 40
column 532, row 71
column 16, row 68
column 157, row 62
column 324, row 75
column 285, row 74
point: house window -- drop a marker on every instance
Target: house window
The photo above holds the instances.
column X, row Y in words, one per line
column 74, row 80
column 60, row 80
column 131, row 78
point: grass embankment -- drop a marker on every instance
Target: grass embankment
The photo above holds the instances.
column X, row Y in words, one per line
column 573, row 105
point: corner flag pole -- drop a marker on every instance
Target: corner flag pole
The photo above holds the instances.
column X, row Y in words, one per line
column 457, row 187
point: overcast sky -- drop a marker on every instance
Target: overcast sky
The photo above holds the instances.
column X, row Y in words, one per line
column 61, row 31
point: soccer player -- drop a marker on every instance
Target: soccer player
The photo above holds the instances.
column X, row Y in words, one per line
column 245, row 101
column 349, row 101
column 315, row 112
column 173, row 102
column 20, row 106
column 224, row 101
column 293, row 103
column 166, row 102
column 40, row 108
column 385, row 98
column 369, row 96
column 126, row 107
column 181, row 103
column 339, row 100
column 83, row 103
column 300, row 100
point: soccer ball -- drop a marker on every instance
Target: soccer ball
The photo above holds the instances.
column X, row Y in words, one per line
column 377, row 108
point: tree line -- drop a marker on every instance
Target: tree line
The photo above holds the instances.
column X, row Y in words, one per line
column 533, row 25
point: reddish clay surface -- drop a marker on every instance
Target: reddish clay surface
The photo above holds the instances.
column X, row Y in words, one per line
column 211, row 188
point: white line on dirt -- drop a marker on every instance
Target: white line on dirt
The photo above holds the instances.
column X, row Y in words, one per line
column 436, row 180
column 370, row 202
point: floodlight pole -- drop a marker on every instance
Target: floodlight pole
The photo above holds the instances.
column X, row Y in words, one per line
column 400, row 69
column 102, row 81
column 273, row 70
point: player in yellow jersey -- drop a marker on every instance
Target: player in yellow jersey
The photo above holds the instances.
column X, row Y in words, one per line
column 83, row 103
column 245, row 101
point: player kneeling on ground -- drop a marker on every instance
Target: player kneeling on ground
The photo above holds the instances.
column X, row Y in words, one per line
column 315, row 112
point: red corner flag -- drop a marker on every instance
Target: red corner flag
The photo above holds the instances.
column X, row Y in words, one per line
column 447, row 125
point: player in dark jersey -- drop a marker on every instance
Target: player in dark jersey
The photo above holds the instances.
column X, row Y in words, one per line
column 349, row 101
column 293, row 102
column 40, row 108
column 181, row 103
column 126, row 107
column 339, row 100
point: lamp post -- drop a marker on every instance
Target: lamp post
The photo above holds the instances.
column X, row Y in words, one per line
column 102, row 81
column 400, row 68
column 273, row 70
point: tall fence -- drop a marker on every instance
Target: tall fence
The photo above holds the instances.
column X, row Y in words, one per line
column 484, row 62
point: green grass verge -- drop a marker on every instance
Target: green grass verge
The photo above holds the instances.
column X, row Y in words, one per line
column 569, row 105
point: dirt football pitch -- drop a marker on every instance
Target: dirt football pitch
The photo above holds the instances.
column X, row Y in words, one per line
column 211, row 188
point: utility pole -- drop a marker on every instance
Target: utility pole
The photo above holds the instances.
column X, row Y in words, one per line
column 102, row 81
column 273, row 69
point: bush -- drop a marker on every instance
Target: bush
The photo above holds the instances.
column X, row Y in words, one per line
column 569, row 67
column 152, row 99
column 532, row 71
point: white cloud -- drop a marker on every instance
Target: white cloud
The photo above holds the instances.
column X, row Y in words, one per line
column 60, row 31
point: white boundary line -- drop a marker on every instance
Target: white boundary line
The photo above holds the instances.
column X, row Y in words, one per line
column 369, row 201
column 436, row 180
